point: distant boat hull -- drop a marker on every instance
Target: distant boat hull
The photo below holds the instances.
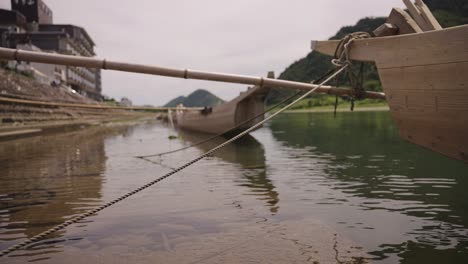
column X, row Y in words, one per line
column 425, row 79
column 221, row 118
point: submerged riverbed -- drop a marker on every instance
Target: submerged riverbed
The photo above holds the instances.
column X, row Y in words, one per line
column 305, row 188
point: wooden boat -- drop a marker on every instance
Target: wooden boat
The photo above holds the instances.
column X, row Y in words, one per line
column 424, row 76
column 220, row 118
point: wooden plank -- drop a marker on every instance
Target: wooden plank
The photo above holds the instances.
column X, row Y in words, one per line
column 427, row 15
column 416, row 14
column 386, row 29
column 430, row 111
column 447, row 140
column 432, row 47
column 327, row 47
column 404, row 22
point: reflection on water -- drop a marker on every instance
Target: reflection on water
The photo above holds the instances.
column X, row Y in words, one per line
column 48, row 179
column 366, row 159
column 347, row 185
column 250, row 155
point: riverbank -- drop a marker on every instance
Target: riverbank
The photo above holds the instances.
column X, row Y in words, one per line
column 20, row 118
column 20, row 129
column 327, row 109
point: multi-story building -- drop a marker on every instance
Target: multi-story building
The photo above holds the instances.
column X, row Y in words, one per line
column 35, row 11
column 10, row 21
column 64, row 39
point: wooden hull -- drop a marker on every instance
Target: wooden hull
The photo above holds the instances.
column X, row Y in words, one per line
column 226, row 116
column 425, row 79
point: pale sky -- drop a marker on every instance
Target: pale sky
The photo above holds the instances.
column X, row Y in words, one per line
column 248, row 37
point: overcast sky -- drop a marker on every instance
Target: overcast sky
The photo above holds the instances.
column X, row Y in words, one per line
column 248, row 37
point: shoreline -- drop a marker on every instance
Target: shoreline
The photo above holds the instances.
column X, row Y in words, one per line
column 331, row 110
column 20, row 130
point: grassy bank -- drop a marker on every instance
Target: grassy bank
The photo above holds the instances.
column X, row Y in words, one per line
column 340, row 109
column 327, row 104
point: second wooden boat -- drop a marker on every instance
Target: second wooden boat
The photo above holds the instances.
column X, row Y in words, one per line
column 221, row 118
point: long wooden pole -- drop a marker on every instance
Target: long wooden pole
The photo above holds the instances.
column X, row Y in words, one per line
column 92, row 106
column 58, row 59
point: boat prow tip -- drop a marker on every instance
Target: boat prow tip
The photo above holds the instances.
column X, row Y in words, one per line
column 313, row 44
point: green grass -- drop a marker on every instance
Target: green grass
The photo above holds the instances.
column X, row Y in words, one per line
column 328, row 102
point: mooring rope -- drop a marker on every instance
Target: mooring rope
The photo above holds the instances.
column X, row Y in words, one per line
column 145, row 157
column 343, row 48
column 222, row 133
column 342, row 62
column 77, row 218
column 342, row 58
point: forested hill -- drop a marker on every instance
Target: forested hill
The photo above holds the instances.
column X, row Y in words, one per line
column 199, row 98
column 448, row 12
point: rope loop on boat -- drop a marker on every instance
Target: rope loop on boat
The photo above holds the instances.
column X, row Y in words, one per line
column 342, row 58
column 209, row 153
column 343, row 48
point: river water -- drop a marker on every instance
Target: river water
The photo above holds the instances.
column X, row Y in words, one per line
column 304, row 188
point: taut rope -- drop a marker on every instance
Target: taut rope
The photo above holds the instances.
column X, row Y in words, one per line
column 341, row 61
column 342, row 58
column 232, row 128
column 206, row 154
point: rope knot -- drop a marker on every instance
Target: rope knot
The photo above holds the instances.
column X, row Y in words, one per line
column 343, row 48
column 342, row 58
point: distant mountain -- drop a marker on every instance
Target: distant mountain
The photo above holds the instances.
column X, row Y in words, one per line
column 448, row 12
column 176, row 101
column 199, row 98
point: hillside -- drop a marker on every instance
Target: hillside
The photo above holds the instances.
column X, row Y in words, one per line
column 199, row 98
column 448, row 12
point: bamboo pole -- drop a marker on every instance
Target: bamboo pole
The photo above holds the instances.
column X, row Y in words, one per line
column 92, row 106
column 78, row 61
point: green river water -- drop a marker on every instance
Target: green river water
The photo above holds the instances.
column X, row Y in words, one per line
column 305, row 188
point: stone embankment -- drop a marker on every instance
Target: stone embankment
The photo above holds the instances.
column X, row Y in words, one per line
column 18, row 119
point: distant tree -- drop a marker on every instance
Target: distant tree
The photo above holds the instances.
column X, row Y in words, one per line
column 448, row 12
column 199, row 98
